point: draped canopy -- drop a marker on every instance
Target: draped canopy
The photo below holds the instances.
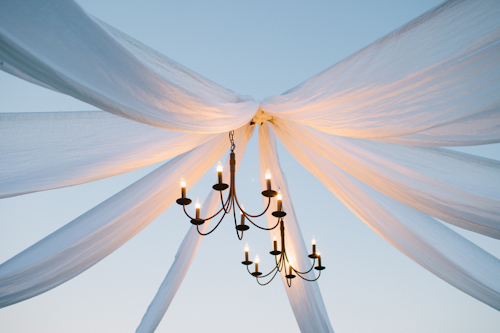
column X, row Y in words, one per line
column 372, row 128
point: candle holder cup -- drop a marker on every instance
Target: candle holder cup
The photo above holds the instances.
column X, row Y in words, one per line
column 220, row 187
column 197, row 221
column 183, row 201
column 242, row 227
column 279, row 213
column 269, row 193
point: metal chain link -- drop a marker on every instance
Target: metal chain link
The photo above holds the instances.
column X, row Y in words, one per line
column 231, row 135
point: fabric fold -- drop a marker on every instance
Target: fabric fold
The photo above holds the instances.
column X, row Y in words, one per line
column 422, row 238
column 89, row 238
column 432, row 82
column 305, row 297
column 54, row 43
column 43, row 151
column 419, row 177
column 188, row 248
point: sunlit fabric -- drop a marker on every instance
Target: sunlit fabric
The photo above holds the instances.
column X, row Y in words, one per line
column 432, row 82
column 188, row 248
column 367, row 128
column 305, row 297
column 419, row 177
column 419, row 236
column 43, row 151
column 92, row 236
column 57, row 44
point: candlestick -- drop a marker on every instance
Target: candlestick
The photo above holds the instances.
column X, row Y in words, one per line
column 275, row 244
column 314, row 245
column 183, row 188
column 268, row 180
column 257, row 264
column 219, row 172
column 242, row 219
column 246, row 252
column 198, row 206
column 279, row 197
column 319, row 259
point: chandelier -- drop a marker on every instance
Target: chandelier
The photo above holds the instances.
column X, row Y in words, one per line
column 282, row 262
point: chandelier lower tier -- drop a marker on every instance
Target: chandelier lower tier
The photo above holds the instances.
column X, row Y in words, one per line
column 282, row 262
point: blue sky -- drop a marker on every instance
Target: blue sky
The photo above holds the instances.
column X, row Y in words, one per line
column 258, row 48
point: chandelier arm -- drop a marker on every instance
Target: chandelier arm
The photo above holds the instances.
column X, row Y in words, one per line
column 208, row 218
column 208, row 233
column 278, row 262
column 230, row 203
column 263, row 284
column 262, row 276
column 238, row 234
column 235, row 223
column 245, row 213
column 303, row 278
column 185, row 212
column 224, row 204
column 310, row 269
column 262, row 227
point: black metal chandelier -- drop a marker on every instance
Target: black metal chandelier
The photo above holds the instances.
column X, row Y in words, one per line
column 282, row 262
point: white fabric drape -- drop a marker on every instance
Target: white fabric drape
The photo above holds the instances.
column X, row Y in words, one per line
column 305, row 297
column 43, row 151
column 89, row 238
column 188, row 248
column 419, row 177
column 57, row 44
column 419, row 236
column 432, row 82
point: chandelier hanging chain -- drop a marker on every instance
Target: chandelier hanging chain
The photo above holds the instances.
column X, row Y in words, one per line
column 231, row 204
column 231, row 139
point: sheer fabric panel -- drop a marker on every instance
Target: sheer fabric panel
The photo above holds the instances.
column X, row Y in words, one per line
column 305, row 297
column 89, row 238
column 56, row 44
column 422, row 238
column 188, row 248
column 432, row 82
column 44, row 151
column 419, row 177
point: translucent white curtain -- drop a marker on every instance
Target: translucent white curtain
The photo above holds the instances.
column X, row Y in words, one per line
column 43, row 151
column 188, row 248
column 305, row 297
column 89, row 238
column 432, row 82
column 54, row 43
column 454, row 187
column 425, row 240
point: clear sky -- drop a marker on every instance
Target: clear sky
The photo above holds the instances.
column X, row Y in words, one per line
column 258, row 48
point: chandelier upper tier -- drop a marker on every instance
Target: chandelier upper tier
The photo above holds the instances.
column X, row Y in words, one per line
column 282, row 261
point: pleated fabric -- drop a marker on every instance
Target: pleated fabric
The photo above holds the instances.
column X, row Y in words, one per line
column 422, row 238
column 366, row 127
column 56, row 44
column 432, row 82
column 49, row 150
column 305, row 297
column 419, row 177
column 187, row 249
column 89, row 238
